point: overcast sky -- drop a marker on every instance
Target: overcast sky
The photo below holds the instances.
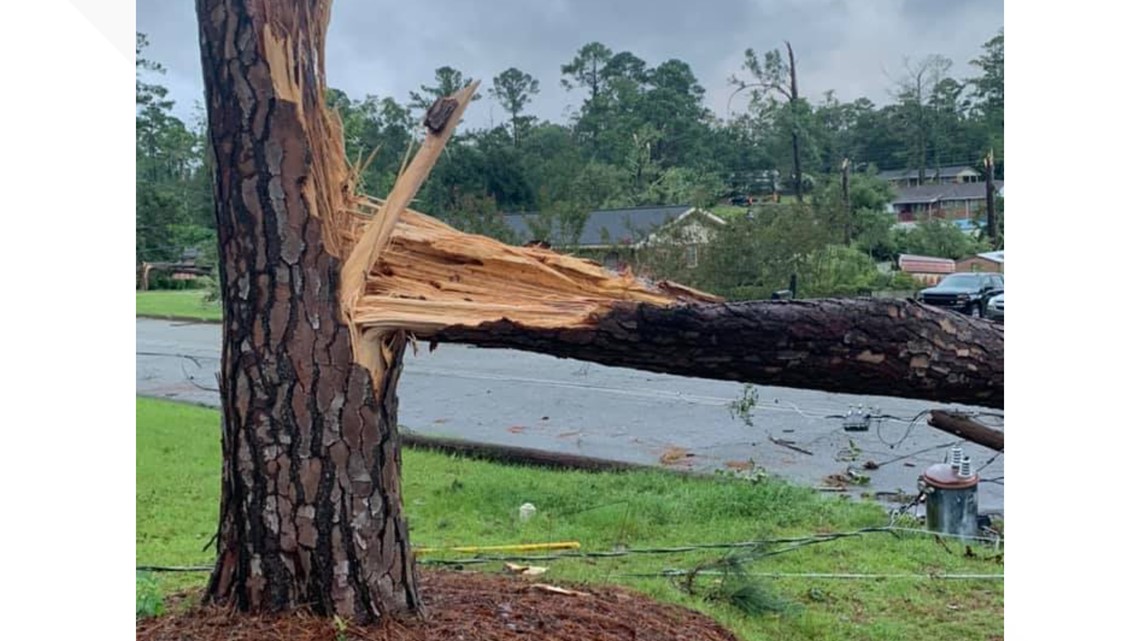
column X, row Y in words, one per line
column 389, row 48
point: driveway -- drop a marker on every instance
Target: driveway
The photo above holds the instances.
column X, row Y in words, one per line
column 537, row 401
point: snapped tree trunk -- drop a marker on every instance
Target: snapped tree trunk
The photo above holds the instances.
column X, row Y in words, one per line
column 311, row 511
column 323, row 288
column 991, row 216
column 855, row 346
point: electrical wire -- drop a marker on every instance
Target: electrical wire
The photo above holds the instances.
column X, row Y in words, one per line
column 817, row 575
column 906, row 434
column 987, row 463
column 792, row 543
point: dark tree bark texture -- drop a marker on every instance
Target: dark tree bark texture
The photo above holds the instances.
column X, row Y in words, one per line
column 311, row 511
column 855, row 346
column 967, row 428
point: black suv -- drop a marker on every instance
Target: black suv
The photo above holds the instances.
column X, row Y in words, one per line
column 968, row 293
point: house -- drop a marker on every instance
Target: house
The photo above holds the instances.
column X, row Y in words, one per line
column 189, row 267
column 993, row 262
column 954, row 201
column 928, row 270
column 900, row 178
column 615, row 236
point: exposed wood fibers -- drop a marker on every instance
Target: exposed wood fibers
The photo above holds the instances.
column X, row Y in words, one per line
column 404, row 271
column 433, row 276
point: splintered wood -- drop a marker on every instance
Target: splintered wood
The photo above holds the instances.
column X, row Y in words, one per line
column 407, row 272
column 433, row 276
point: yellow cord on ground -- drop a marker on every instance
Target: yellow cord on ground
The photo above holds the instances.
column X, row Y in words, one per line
column 522, row 547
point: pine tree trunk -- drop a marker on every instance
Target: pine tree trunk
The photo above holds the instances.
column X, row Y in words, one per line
column 311, row 512
column 855, row 346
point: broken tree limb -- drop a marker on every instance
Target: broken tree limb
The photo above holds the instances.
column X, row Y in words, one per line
column 443, row 285
column 967, row 428
column 518, row 455
column 856, row 346
column 374, row 240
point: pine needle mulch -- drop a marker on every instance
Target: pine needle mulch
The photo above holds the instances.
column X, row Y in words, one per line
column 468, row 606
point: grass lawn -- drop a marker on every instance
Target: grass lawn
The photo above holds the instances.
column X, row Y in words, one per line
column 728, row 212
column 184, row 303
column 452, row 501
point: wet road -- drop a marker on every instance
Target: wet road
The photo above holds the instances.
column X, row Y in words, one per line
column 537, row 401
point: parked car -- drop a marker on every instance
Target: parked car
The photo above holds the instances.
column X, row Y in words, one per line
column 996, row 309
column 968, row 293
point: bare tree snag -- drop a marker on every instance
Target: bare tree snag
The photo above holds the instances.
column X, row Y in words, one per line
column 967, row 428
column 324, row 287
column 991, row 217
column 793, row 101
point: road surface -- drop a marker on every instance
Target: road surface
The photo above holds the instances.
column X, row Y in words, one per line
column 538, row 401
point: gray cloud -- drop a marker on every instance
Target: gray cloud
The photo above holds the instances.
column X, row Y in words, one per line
column 387, row 48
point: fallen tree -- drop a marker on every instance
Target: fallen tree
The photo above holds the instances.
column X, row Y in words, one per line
column 856, row 346
column 323, row 288
column 967, row 428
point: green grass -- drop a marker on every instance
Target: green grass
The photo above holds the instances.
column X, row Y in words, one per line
column 185, row 303
column 453, row 501
column 728, row 212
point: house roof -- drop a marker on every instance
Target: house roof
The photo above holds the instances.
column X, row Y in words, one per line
column 605, row 226
column 997, row 257
column 938, row 193
column 912, row 264
column 931, row 172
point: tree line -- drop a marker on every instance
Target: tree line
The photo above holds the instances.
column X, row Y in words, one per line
column 639, row 134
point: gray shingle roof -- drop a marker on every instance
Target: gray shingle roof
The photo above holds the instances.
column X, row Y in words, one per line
column 947, row 192
column 602, row 227
column 931, row 172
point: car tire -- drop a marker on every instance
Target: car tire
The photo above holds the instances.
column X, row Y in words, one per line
column 976, row 311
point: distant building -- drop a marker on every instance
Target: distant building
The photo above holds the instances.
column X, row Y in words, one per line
column 950, row 174
column 953, row 201
column 928, row 270
column 993, row 262
column 614, row 236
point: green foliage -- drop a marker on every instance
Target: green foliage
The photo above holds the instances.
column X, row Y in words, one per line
column 734, row 587
column 640, row 135
column 448, row 80
column 744, row 407
column 377, row 137
column 901, row 282
column 749, row 258
column 839, row 271
column 173, row 192
column 480, row 215
column 941, row 238
column 989, row 94
column 148, row 596
column 513, row 89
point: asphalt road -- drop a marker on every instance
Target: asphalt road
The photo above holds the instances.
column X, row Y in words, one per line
column 537, row 401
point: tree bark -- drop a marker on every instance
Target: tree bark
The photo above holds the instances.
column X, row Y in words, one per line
column 968, row 429
column 311, row 511
column 855, row 346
